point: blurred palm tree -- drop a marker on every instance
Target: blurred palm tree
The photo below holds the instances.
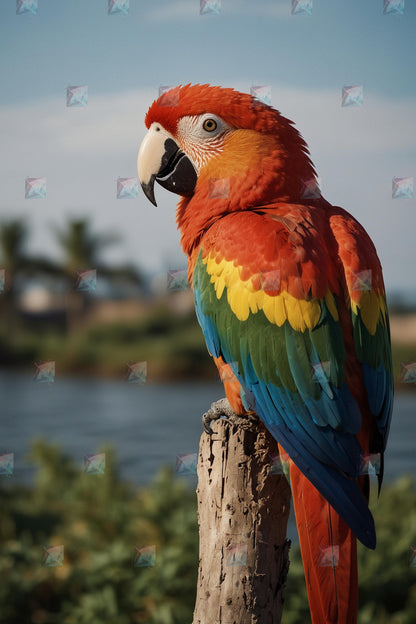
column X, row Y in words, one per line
column 82, row 247
column 17, row 264
column 12, row 239
column 82, row 251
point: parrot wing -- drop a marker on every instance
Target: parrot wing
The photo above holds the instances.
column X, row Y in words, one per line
column 368, row 309
column 268, row 290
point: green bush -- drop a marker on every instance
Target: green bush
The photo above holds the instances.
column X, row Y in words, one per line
column 173, row 346
column 100, row 520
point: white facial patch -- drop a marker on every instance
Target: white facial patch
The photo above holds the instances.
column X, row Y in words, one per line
column 202, row 137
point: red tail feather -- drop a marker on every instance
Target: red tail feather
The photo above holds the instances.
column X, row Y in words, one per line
column 329, row 553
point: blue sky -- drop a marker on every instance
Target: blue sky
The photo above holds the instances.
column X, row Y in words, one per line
column 124, row 59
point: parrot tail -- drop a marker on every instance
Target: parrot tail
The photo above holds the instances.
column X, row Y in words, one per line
column 329, row 554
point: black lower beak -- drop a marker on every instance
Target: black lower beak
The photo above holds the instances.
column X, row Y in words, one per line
column 176, row 174
column 149, row 191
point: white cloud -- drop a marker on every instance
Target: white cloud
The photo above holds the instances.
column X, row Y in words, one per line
column 81, row 152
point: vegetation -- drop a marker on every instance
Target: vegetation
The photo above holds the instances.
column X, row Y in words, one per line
column 100, row 520
column 401, row 354
column 173, row 347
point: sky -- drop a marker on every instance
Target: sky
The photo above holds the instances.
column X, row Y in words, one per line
column 124, row 59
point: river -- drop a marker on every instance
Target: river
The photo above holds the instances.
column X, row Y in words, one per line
column 147, row 425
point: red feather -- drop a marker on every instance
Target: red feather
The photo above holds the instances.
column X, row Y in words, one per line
column 329, row 554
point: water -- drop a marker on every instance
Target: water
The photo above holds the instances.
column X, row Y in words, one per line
column 148, row 426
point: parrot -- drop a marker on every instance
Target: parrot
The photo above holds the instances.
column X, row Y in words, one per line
column 289, row 294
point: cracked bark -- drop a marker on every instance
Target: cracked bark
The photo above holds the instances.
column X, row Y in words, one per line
column 242, row 512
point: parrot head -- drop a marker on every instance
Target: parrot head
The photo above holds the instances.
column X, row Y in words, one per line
column 221, row 151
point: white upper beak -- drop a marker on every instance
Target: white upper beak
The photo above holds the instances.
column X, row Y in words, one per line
column 161, row 159
column 152, row 148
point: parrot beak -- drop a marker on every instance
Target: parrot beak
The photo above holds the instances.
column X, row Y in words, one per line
column 161, row 159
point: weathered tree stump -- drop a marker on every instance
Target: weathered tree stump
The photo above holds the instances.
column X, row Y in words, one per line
column 242, row 512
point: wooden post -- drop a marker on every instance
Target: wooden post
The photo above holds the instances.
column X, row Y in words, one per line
column 242, row 512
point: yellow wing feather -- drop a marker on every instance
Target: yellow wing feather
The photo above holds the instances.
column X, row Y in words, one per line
column 243, row 298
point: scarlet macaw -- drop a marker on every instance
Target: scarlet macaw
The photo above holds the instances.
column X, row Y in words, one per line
column 289, row 293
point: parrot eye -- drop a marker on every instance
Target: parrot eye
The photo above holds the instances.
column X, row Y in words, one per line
column 209, row 125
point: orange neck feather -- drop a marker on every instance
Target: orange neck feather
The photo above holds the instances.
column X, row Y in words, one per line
column 254, row 169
